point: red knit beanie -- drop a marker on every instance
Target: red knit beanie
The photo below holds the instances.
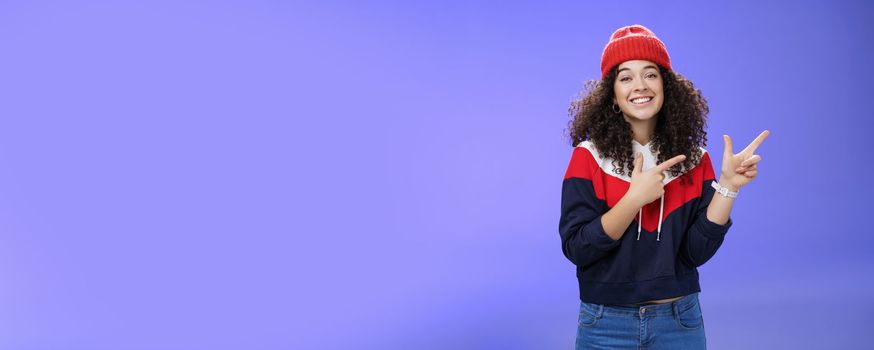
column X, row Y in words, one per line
column 634, row 42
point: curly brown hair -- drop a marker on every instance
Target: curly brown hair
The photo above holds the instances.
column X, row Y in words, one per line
column 679, row 126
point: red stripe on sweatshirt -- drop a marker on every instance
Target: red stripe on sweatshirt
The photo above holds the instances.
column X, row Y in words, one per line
column 611, row 189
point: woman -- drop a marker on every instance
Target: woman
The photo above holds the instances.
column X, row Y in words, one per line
column 639, row 133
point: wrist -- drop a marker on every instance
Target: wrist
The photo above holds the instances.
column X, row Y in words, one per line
column 728, row 191
column 632, row 201
column 728, row 185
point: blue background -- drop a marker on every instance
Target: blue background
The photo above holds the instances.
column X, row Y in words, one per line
column 327, row 175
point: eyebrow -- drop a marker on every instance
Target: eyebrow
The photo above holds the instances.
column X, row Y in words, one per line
column 626, row 68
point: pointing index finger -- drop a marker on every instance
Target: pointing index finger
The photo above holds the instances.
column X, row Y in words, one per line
column 758, row 141
column 669, row 163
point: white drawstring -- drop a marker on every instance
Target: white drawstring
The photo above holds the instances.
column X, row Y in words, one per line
column 661, row 212
column 640, row 220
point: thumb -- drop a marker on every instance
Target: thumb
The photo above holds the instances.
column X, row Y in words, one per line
column 638, row 163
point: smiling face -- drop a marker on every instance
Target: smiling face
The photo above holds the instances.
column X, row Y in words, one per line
column 638, row 90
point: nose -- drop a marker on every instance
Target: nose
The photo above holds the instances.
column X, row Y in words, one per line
column 640, row 85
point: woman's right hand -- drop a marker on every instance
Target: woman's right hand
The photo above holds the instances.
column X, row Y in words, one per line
column 647, row 186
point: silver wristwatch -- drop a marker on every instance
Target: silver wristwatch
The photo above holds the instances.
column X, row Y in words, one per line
column 723, row 191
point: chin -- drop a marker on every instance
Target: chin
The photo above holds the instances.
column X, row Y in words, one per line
column 647, row 116
column 643, row 115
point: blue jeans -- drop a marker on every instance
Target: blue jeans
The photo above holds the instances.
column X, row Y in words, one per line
column 678, row 325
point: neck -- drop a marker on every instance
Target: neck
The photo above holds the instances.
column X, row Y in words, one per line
column 642, row 130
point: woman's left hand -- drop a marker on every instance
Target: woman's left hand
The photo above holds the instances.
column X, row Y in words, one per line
column 739, row 169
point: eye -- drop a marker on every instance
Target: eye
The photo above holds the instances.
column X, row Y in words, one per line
column 652, row 75
column 624, row 78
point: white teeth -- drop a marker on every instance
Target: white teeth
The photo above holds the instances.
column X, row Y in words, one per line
column 641, row 100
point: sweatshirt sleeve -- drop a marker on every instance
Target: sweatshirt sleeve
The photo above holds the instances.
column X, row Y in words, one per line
column 704, row 236
column 583, row 240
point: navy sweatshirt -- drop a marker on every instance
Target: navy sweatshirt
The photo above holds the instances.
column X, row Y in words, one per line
column 658, row 256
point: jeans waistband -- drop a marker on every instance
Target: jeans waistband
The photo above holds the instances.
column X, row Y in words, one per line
column 642, row 304
column 663, row 308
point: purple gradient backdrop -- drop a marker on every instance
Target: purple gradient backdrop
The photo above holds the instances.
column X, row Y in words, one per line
column 284, row 175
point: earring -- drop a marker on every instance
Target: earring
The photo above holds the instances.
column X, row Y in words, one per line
column 615, row 107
